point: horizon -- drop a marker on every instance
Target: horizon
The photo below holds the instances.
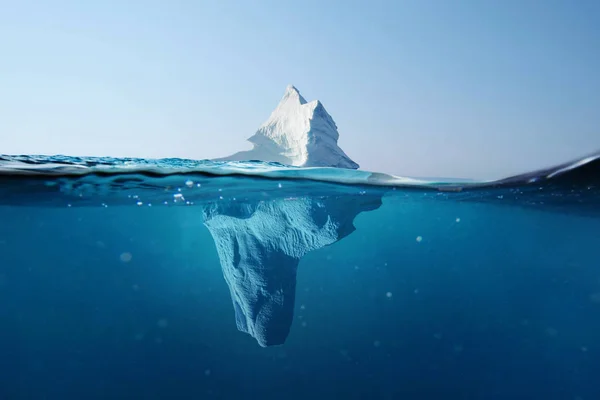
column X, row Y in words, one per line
column 464, row 90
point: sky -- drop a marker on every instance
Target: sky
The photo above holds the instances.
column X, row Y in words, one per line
column 429, row 88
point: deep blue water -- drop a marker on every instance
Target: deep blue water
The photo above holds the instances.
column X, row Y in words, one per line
column 490, row 293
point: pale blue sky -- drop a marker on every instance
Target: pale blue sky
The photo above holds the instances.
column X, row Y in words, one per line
column 475, row 89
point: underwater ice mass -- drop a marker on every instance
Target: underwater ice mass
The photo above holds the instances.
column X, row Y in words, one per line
column 265, row 217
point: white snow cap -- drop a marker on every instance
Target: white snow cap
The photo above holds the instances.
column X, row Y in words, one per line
column 297, row 133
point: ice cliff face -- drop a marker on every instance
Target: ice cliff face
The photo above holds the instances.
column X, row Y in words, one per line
column 297, row 133
column 260, row 246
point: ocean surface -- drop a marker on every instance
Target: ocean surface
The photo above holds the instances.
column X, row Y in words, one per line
column 180, row 279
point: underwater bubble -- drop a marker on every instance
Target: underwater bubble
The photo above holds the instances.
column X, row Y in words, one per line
column 162, row 323
column 189, row 183
column 551, row 331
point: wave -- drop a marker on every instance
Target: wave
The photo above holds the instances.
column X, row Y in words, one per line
column 584, row 171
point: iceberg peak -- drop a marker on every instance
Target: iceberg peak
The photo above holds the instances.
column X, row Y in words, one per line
column 297, row 133
column 291, row 93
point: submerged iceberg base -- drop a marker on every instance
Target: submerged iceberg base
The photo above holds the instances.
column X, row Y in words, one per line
column 260, row 246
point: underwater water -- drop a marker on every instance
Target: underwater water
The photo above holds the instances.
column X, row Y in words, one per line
column 173, row 279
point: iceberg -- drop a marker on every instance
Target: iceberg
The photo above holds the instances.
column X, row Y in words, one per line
column 298, row 133
column 260, row 245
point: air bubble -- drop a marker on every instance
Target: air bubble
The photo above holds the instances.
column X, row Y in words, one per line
column 178, row 197
column 162, row 323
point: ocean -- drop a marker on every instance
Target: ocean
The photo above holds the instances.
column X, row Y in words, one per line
column 181, row 279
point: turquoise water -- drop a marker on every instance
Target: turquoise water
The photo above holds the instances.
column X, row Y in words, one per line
column 174, row 279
